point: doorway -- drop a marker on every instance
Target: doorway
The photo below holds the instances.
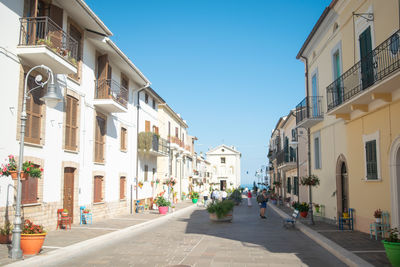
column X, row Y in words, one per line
column 68, row 202
column 222, row 185
column 342, row 185
column 395, row 182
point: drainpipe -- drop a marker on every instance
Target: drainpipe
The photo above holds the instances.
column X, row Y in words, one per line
column 137, row 142
column 308, row 143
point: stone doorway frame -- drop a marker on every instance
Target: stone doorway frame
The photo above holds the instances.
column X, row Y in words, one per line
column 340, row 161
column 394, row 180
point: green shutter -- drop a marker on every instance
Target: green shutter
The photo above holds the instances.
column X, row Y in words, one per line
column 371, row 160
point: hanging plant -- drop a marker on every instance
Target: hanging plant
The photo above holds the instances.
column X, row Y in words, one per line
column 311, row 180
column 140, row 184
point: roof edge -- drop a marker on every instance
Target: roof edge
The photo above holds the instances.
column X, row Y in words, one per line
column 94, row 16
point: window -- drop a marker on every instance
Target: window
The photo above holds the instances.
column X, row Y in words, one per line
column 154, row 104
column 169, row 129
column 294, row 135
column 317, row 151
column 176, row 132
column 29, row 192
column 289, row 185
column 146, row 98
column 371, row 160
column 296, row 186
column 100, row 140
column 34, row 110
column 124, row 88
column 147, row 126
column 146, row 172
column 76, row 33
column 98, row 189
column 222, row 159
column 122, row 187
column 71, row 123
column 123, row 139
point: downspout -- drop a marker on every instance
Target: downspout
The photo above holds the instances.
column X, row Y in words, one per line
column 137, row 142
column 308, row 141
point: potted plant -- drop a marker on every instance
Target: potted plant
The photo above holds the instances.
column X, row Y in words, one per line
column 194, row 196
column 28, row 169
column 140, row 184
column 303, row 209
column 162, row 204
column 378, row 215
column 86, row 210
column 311, row 180
column 32, row 238
column 64, row 213
column 392, row 247
column 173, row 208
column 345, row 214
column 157, row 181
column 152, row 183
column 236, row 197
column 317, row 206
column 5, row 233
column 221, row 211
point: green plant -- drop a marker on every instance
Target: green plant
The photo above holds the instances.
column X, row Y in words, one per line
column 393, row 236
column 311, row 180
column 30, row 228
column 302, row 207
column 31, row 169
column 221, row 208
column 277, row 183
column 378, row 213
column 146, row 140
column 194, row 195
column 316, row 205
column 236, row 195
column 10, row 166
column 6, row 230
column 27, row 167
column 162, row 202
column 73, row 61
column 86, row 210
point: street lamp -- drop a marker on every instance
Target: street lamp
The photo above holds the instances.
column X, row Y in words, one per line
column 51, row 99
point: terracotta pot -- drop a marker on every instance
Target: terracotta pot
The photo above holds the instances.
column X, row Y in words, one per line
column 5, row 239
column 14, row 175
column 303, row 214
column 31, row 244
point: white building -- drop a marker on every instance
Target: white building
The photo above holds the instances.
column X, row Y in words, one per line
column 225, row 166
column 87, row 144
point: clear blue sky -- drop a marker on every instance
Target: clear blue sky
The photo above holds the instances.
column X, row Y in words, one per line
column 227, row 66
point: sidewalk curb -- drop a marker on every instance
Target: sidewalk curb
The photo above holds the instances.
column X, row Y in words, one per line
column 59, row 255
column 341, row 253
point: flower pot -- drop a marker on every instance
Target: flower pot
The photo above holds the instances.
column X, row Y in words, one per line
column 392, row 252
column 64, row 214
column 194, row 200
column 303, row 214
column 5, row 239
column 14, row 175
column 163, row 210
column 226, row 218
column 378, row 220
column 31, row 244
column 317, row 209
column 345, row 215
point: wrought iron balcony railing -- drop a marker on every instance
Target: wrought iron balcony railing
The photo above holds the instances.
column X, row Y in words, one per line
column 43, row 31
column 110, row 89
column 376, row 66
column 286, row 156
column 309, row 108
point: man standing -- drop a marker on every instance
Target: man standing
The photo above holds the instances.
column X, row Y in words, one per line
column 224, row 195
column 262, row 199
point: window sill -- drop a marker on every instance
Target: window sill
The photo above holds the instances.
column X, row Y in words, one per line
column 33, row 145
column 71, row 151
column 31, row 205
column 122, row 200
column 372, row 180
column 99, row 163
column 98, row 203
column 124, row 150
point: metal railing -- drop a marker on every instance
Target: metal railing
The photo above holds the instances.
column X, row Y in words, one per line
column 286, row 156
column 163, row 146
column 377, row 65
column 311, row 109
column 149, row 141
column 106, row 89
column 175, row 140
column 43, row 31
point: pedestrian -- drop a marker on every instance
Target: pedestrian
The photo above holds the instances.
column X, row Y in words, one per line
column 249, row 196
column 262, row 199
column 224, row 195
column 205, row 197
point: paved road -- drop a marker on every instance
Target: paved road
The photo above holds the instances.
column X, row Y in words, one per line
column 192, row 240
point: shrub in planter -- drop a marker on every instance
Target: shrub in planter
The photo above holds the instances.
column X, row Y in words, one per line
column 220, row 210
column 378, row 215
column 236, row 196
column 5, row 233
column 32, row 238
column 162, row 204
column 392, row 247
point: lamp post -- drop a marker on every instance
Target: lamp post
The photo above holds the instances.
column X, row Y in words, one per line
column 51, row 99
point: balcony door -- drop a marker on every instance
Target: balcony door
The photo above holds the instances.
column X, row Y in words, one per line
column 315, row 104
column 68, row 201
column 103, row 77
column 336, row 74
column 367, row 70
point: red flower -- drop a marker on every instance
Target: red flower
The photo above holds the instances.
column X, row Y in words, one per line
column 41, row 169
column 28, row 169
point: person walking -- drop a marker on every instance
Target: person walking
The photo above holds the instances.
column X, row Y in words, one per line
column 224, row 195
column 249, row 196
column 262, row 199
column 205, row 197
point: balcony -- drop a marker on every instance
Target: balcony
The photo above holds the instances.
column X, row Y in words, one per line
column 286, row 159
column 111, row 96
column 367, row 80
column 152, row 144
column 309, row 112
column 42, row 41
column 175, row 142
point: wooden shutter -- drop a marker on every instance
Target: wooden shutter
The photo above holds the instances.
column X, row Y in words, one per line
column 156, row 130
column 122, row 187
column 71, row 123
column 100, row 130
column 102, row 76
column 146, row 172
column 147, row 126
column 56, row 36
column 123, row 138
column 371, row 159
column 76, row 33
column 98, row 187
column 29, row 191
column 34, row 113
column 176, row 132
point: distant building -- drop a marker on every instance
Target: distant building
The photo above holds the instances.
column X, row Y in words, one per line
column 225, row 166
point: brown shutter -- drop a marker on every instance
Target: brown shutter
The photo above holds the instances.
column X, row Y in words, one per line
column 100, row 131
column 176, row 132
column 56, row 15
column 122, row 188
column 34, row 113
column 29, row 190
column 156, row 130
column 74, row 123
column 97, row 194
column 147, row 126
column 103, row 86
column 68, row 123
column 123, row 139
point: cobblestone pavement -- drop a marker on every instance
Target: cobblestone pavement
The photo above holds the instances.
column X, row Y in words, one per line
column 193, row 240
column 356, row 242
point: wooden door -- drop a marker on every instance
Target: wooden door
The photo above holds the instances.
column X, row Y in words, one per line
column 68, row 202
column 103, row 74
column 55, row 29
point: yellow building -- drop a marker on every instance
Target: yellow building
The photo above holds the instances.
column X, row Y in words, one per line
column 352, row 62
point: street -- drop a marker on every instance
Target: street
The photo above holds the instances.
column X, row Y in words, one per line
column 192, row 240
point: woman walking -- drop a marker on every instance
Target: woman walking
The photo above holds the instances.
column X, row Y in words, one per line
column 249, row 198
